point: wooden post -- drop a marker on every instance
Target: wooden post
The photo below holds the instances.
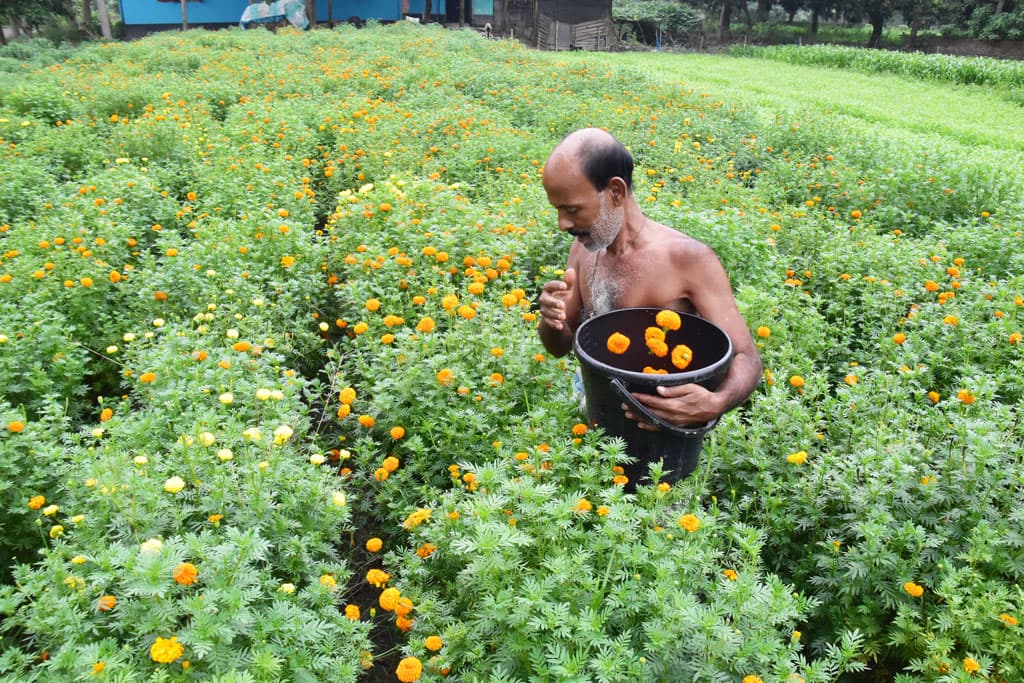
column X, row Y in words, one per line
column 184, row 14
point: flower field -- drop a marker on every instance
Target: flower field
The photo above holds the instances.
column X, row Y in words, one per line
column 275, row 408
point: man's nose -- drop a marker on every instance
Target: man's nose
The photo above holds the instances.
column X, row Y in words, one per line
column 565, row 222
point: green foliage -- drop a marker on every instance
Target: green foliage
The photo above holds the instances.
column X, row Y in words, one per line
column 265, row 297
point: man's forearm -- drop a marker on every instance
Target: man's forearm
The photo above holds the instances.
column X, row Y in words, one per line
column 744, row 374
column 557, row 342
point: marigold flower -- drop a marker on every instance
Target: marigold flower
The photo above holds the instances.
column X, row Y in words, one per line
column 174, row 484
column 425, row 550
column 147, row 377
column 397, row 432
column 185, row 574
column 1015, row 338
column 467, row 312
column 899, row 338
column 98, row 667
column 913, row 590
column 282, row 434
column 378, row 578
column 445, row 377
column 654, row 333
column 328, row 581
column 971, row 665
column 372, row 305
column 618, row 343
column 433, row 643
column 287, row 588
column 409, row 670
column 416, row 518
column 151, row 546
column 579, row 429
column 360, row 328
column 797, row 381
column 965, row 397
column 36, row 502
column 669, row 320
column 352, row 612
column 106, row 603
column 933, row 396
column 166, row 650
column 583, row 505
column 347, row 395
column 682, row 356
column 367, row 421
column 732, row 576
column 798, row 458
column 389, row 598
column 426, row 325
column 657, row 346
column 689, row 522
column 1008, row 620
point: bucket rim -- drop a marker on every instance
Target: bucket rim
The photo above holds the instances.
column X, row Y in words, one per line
column 669, row 379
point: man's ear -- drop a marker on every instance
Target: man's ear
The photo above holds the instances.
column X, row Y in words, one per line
column 618, row 190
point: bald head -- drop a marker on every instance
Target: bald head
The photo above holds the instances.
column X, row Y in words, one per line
column 599, row 155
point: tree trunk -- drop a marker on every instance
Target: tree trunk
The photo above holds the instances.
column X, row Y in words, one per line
column 462, row 12
column 814, row 21
column 86, row 15
column 764, row 7
column 1000, row 7
column 104, row 17
column 184, row 14
column 311, row 10
column 724, row 20
column 426, row 12
column 877, row 20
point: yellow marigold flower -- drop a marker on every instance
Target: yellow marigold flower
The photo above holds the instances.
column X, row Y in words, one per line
column 583, row 505
column 328, row 581
column 416, row 518
column 174, row 484
column 689, row 522
column 409, row 670
column 389, row 598
column 425, row 325
column 393, row 320
column 1008, row 620
column 851, row 379
column 731, row 575
column 670, row 320
column 449, row 301
column 798, row 458
column 603, row 510
column 36, row 502
column 347, row 396
column 951, row 320
column 185, row 574
column 287, row 588
column 467, row 312
column 147, row 377
column 971, row 665
column 913, row 590
column 380, row 474
column 352, row 612
column 372, row 305
column 1015, row 338
column 618, row 343
column 445, row 377
column 367, row 421
column 433, row 643
column 934, row 396
column 166, row 650
column 391, row 463
column 106, row 603
column 377, row 577
column 374, row 544
column 682, row 356
column 282, row 434
column 360, row 328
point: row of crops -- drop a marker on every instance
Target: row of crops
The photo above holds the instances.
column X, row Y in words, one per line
column 275, row 407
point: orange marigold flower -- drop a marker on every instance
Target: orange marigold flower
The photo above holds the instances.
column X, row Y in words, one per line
column 1015, row 338
column 347, row 396
column 690, row 522
column 583, row 505
column 971, row 665
column 426, row 325
column 433, row 643
column 241, row 346
column 618, row 343
column 467, row 312
column 374, row 544
column 15, row 426
column 654, row 333
column 731, row 575
column 445, row 377
column 682, row 356
column 106, row 603
column 934, row 396
column 377, row 577
column 389, row 598
column 147, row 377
column 965, row 397
column 372, row 305
column 899, row 338
column 403, row 624
column 670, row 320
column 403, row 607
column 764, row 331
column 166, row 650
column 106, row 414
column 1008, row 620
column 409, row 670
column 352, row 612
column 796, row 381
column 36, row 502
column 913, row 590
column 579, row 429
column 425, row 550
column 367, row 421
column 185, row 574
column 397, row 432
column 657, row 346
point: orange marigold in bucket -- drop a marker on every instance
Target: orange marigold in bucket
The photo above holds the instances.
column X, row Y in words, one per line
column 670, row 320
column 618, row 343
column 682, row 356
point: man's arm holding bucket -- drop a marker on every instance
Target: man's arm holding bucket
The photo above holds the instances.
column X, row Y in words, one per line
column 707, row 286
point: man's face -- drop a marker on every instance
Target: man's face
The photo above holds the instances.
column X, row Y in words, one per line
column 584, row 212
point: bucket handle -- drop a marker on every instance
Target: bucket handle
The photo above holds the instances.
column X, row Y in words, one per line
column 699, row 430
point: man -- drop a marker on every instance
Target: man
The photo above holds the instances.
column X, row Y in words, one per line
column 620, row 259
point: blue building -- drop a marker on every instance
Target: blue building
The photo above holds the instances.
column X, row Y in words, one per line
column 145, row 16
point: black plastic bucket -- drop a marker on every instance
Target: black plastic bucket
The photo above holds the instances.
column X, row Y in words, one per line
column 609, row 379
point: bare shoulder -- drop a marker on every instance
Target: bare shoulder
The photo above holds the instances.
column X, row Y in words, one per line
column 684, row 251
